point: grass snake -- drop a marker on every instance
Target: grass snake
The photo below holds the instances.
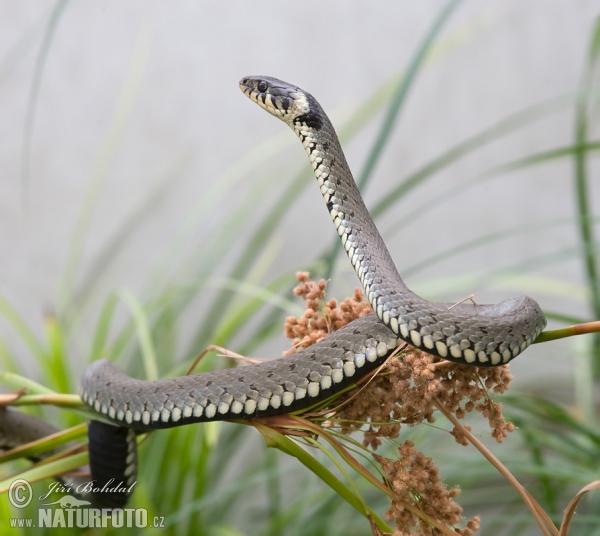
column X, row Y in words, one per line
column 468, row 333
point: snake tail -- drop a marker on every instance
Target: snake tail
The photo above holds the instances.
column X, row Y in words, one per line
column 113, row 463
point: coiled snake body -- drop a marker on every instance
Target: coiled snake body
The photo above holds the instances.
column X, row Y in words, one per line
column 481, row 335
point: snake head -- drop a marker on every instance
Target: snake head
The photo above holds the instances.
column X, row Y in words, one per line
column 285, row 101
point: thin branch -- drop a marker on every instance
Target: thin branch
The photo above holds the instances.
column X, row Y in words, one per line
column 540, row 516
column 571, row 331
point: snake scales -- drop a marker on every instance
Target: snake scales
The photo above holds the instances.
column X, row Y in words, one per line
column 481, row 335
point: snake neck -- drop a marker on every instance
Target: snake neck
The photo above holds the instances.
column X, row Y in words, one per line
column 362, row 242
column 360, row 238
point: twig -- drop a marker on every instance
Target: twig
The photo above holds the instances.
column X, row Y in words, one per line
column 540, row 516
column 571, row 331
column 226, row 353
column 570, row 510
column 283, row 424
column 463, row 301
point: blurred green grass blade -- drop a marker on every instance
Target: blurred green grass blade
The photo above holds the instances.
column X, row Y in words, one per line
column 542, row 260
column 393, row 112
column 552, row 412
column 258, row 240
column 484, row 240
column 583, row 376
column 39, row 472
column 249, row 300
column 538, row 458
column 565, row 473
column 56, row 364
column 8, row 361
column 45, row 444
column 124, row 231
column 143, row 331
column 248, row 482
column 273, row 323
column 542, row 157
column 99, row 343
column 217, row 195
column 581, row 178
column 243, row 312
column 32, row 99
column 157, row 444
column 15, row 381
column 13, row 54
column 166, row 332
column 204, row 262
column 22, row 330
column 274, row 488
column 225, row 531
column 401, row 94
column 504, row 127
column 287, row 445
column 446, row 287
column 141, row 323
column 261, row 293
column 565, row 319
column 104, row 159
column 120, row 342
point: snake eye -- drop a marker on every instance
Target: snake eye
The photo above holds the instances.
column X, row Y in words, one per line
column 262, row 86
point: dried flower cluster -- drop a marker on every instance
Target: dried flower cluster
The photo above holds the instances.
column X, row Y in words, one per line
column 415, row 480
column 408, row 390
column 321, row 317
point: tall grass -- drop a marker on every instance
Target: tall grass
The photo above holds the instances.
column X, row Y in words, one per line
column 218, row 478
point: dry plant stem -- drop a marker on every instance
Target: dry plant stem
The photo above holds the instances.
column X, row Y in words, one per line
column 289, row 423
column 570, row 510
column 540, row 516
column 68, row 401
column 226, row 353
column 463, row 301
column 277, row 437
column 571, row 331
column 11, row 398
column 588, row 327
column 374, row 528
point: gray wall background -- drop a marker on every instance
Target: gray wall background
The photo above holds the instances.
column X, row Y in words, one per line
column 180, row 63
